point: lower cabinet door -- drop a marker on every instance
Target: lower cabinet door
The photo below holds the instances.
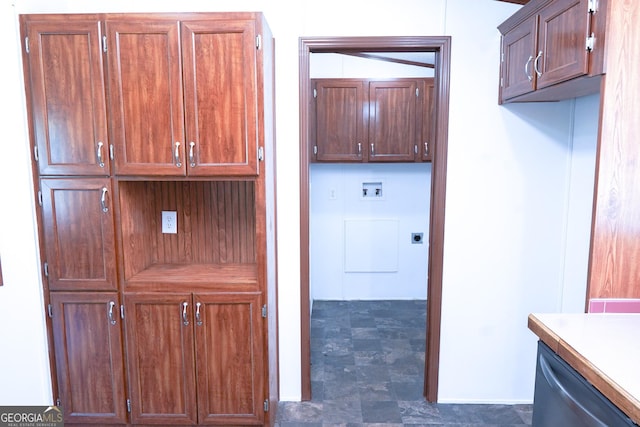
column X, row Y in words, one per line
column 229, row 355
column 87, row 339
column 160, row 358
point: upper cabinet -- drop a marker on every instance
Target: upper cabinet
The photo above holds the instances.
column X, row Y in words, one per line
column 359, row 120
column 339, row 120
column 69, row 115
column 183, row 96
column 552, row 50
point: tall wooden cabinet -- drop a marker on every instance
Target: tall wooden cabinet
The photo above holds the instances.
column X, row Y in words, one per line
column 362, row 120
column 133, row 116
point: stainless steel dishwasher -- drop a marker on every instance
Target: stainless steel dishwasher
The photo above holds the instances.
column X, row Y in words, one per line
column 563, row 398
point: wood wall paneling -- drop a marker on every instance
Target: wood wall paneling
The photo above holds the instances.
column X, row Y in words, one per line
column 615, row 248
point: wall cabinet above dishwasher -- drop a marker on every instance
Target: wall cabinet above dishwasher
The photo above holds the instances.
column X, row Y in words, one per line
column 552, row 50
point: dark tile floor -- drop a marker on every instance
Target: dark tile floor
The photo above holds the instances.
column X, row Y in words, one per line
column 367, row 367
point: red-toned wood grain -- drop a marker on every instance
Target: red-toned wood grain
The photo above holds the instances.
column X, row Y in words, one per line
column 615, row 247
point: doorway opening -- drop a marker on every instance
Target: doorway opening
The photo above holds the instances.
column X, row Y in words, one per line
column 373, row 46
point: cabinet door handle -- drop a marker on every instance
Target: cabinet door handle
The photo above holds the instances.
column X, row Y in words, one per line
column 112, row 319
column 103, row 200
column 192, row 160
column 198, row 319
column 99, row 154
column 426, row 148
column 359, row 148
column 373, row 152
column 535, row 64
column 526, row 68
column 176, row 155
column 185, row 319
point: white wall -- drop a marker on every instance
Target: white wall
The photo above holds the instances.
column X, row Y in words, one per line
column 24, row 363
column 506, row 213
column 388, row 265
column 580, row 202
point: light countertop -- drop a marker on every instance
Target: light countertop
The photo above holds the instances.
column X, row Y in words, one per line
column 603, row 348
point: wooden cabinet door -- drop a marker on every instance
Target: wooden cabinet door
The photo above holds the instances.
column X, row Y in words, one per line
column 220, row 87
column 427, row 145
column 519, row 54
column 78, row 233
column 145, row 96
column 160, row 358
column 562, row 35
column 87, row 340
column 68, row 96
column 394, row 122
column 229, row 354
column 341, row 115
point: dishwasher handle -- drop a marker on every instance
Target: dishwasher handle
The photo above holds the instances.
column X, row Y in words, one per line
column 556, row 384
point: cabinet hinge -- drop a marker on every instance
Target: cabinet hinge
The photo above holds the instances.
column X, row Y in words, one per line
column 264, row 311
column 122, row 311
column 315, row 149
column 26, row 44
column 58, row 403
column 50, row 311
column 592, row 6
column 40, row 197
column 46, row 269
column 315, row 93
column 260, row 153
column 104, row 44
column 266, row 405
column 36, row 156
column 258, row 42
column 129, row 405
column 591, row 40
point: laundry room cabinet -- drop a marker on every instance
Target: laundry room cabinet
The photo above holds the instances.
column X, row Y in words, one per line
column 362, row 120
column 154, row 163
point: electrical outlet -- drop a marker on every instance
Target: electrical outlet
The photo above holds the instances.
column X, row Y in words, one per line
column 169, row 222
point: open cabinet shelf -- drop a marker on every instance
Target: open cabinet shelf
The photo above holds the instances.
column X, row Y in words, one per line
column 214, row 245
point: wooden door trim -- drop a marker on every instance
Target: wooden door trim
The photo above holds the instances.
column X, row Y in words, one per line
column 441, row 45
